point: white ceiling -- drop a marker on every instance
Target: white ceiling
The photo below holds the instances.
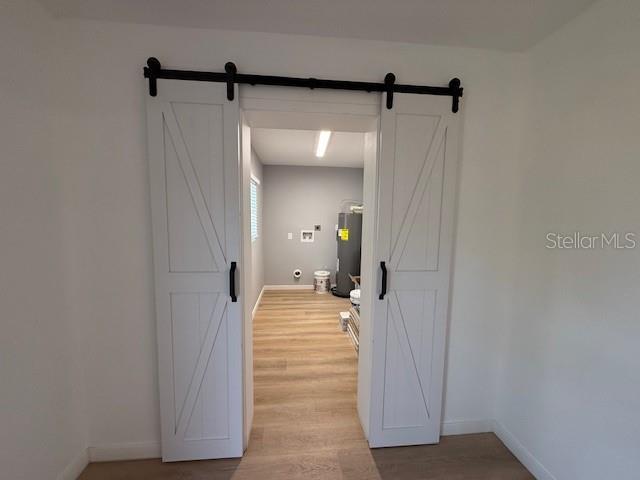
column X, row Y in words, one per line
column 277, row 146
column 510, row 25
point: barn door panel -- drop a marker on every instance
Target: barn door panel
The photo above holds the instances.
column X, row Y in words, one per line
column 193, row 165
column 417, row 194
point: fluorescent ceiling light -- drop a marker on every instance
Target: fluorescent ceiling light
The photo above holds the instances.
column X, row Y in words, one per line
column 322, row 143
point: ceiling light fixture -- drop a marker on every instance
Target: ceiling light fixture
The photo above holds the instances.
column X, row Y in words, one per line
column 322, row 143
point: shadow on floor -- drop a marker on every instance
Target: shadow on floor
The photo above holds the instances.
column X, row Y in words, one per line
column 156, row 470
column 461, row 457
column 476, row 456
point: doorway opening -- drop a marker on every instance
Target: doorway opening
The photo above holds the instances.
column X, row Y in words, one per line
column 307, row 176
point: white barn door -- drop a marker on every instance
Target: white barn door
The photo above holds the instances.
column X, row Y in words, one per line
column 194, row 177
column 416, row 209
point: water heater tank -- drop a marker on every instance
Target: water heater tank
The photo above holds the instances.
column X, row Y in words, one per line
column 349, row 238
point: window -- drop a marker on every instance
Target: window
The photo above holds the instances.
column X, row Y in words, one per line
column 254, row 208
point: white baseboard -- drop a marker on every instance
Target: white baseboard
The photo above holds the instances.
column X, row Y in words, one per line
column 73, row 470
column 288, row 287
column 521, row 453
column 257, row 304
column 464, row 427
column 124, row 451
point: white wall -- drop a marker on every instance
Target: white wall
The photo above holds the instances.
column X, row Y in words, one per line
column 95, row 76
column 105, row 173
column 257, row 246
column 253, row 268
column 367, row 284
column 43, row 432
column 297, row 198
column 569, row 391
column 559, row 327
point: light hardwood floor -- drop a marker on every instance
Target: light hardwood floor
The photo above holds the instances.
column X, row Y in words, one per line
column 306, row 424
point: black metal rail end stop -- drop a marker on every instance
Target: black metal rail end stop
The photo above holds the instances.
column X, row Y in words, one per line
column 389, row 80
column 151, row 72
column 456, row 93
column 231, row 70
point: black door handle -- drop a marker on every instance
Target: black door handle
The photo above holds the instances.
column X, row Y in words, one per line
column 383, row 291
column 232, row 282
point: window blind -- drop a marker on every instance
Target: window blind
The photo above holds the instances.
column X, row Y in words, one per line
column 254, row 209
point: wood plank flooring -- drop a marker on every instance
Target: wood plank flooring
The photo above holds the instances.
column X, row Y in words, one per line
column 306, row 424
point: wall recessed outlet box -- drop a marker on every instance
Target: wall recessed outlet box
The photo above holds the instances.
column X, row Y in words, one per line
column 289, row 236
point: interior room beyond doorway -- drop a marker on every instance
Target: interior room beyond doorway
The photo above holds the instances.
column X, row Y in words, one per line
column 305, row 210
